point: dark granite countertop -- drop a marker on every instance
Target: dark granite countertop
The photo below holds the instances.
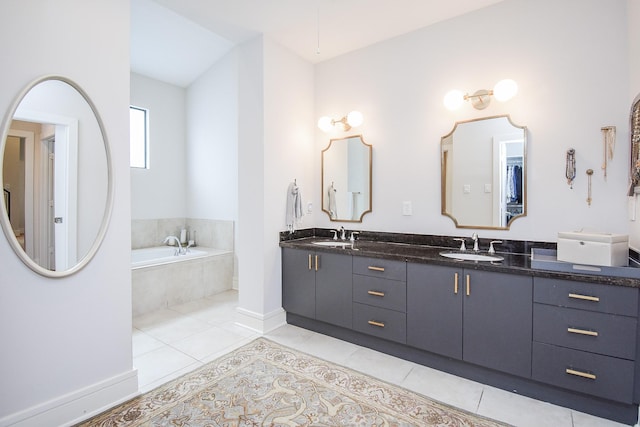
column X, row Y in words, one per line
column 426, row 249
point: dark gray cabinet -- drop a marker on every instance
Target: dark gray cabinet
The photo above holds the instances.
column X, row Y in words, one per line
column 317, row 285
column 434, row 309
column 585, row 337
column 380, row 298
column 478, row 316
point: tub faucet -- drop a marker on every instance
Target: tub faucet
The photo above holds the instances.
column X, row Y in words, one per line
column 179, row 250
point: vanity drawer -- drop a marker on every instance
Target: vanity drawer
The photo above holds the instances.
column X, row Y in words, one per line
column 594, row 374
column 388, row 324
column 379, row 292
column 586, row 296
column 377, row 267
column 601, row 333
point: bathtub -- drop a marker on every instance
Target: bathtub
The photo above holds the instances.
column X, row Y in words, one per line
column 160, row 279
column 163, row 255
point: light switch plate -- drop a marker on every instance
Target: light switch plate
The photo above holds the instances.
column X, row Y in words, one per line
column 407, row 209
column 487, row 188
column 466, row 189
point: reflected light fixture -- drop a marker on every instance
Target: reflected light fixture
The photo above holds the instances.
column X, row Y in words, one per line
column 353, row 119
column 503, row 91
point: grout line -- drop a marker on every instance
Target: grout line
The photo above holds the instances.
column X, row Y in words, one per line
column 480, row 400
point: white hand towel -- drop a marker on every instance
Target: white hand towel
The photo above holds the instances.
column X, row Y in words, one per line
column 294, row 207
column 333, row 209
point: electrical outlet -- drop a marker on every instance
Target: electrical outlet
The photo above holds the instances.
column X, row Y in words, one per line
column 407, row 209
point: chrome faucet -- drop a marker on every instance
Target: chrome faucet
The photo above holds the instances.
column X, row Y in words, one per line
column 474, row 236
column 343, row 234
column 179, row 251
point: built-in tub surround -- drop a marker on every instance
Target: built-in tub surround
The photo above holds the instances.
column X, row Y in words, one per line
column 168, row 279
column 210, row 233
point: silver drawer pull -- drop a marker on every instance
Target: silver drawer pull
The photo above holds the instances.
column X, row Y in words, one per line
column 374, row 323
column 376, row 293
column 584, row 297
column 582, row 332
column 375, row 268
column 580, row 374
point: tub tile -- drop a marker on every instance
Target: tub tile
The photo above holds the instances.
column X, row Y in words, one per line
column 148, row 290
column 169, row 227
column 144, row 233
column 218, row 274
column 186, row 282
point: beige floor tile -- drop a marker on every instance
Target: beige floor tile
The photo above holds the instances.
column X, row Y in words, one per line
column 205, row 343
column 144, row 343
column 155, row 318
column 289, row 335
column 443, row 387
column 328, row 348
column 160, row 363
column 522, row 411
column 387, row 368
column 177, row 330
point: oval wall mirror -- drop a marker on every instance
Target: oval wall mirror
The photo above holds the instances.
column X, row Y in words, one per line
column 346, row 179
column 56, row 177
column 484, row 173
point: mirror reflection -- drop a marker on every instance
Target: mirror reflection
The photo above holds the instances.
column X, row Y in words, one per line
column 346, row 179
column 484, row 173
column 55, row 177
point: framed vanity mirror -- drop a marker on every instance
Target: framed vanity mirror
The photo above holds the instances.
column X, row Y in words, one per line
column 484, row 173
column 56, row 177
column 346, row 179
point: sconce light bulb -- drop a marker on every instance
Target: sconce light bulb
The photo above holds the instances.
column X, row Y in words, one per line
column 453, row 99
column 504, row 90
column 325, row 123
column 355, row 118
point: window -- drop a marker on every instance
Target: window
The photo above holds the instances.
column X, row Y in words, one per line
column 138, row 137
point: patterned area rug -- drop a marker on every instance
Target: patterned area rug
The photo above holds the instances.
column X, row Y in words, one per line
column 266, row 384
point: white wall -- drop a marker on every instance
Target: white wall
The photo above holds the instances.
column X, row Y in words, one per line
column 68, row 341
column 571, row 62
column 275, row 145
column 634, row 91
column 212, row 150
column 160, row 190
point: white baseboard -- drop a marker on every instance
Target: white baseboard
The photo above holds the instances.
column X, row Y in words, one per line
column 77, row 406
column 261, row 323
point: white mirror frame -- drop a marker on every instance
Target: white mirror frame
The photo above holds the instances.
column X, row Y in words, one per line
column 4, row 219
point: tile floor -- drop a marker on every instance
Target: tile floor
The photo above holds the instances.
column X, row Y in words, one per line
column 171, row 342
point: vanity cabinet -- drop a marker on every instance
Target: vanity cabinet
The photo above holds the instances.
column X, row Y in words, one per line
column 380, row 298
column 585, row 337
column 317, row 285
column 481, row 317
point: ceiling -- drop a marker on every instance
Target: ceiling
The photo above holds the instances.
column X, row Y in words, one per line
column 176, row 40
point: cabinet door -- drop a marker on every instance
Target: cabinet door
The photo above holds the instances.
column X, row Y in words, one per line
column 434, row 309
column 334, row 289
column 498, row 321
column 298, row 282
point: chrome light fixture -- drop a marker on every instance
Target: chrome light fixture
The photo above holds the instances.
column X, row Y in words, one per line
column 503, row 91
column 353, row 119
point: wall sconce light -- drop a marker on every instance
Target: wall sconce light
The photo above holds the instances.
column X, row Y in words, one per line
column 353, row 119
column 504, row 90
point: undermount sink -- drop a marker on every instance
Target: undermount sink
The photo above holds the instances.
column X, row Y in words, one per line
column 469, row 256
column 332, row 243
